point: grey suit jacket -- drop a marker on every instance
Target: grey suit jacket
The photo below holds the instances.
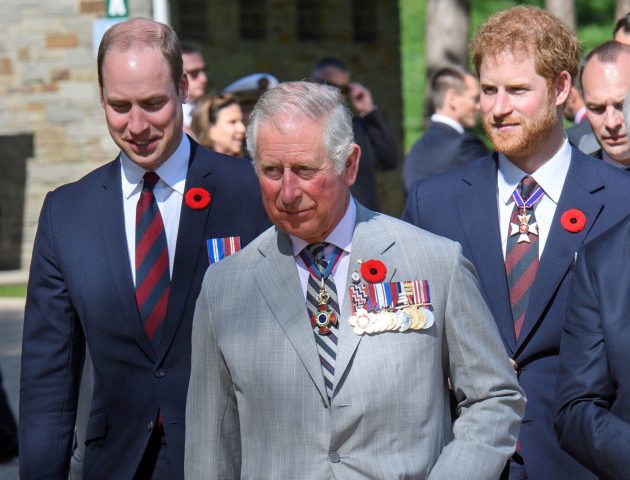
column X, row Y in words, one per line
column 257, row 406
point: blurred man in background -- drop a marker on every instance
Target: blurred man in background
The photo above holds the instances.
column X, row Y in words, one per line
column 445, row 143
column 195, row 69
column 378, row 147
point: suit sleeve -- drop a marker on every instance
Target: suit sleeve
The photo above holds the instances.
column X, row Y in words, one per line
column 53, row 348
column 490, row 402
column 213, row 444
column 382, row 140
column 586, row 427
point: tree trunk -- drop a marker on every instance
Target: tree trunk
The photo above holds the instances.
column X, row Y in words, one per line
column 447, row 27
column 564, row 10
column 621, row 8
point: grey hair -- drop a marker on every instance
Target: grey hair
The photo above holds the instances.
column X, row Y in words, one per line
column 626, row 109
column 304, row 101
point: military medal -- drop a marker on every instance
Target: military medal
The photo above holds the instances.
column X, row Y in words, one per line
column 324, row 316
column 524, row 228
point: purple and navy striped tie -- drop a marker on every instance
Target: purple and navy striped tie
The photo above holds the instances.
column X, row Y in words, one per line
column 152, row 266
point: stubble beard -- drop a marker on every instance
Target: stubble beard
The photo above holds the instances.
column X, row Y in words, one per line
column 528, row 137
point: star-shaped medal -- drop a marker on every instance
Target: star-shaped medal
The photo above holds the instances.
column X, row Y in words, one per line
column 524, row 228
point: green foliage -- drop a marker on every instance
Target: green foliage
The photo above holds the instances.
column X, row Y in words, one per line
column 17, row 291
column 595, row 20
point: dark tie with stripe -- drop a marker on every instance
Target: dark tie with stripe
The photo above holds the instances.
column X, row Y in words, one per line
column 326, row 344
column 152, row 266
column 521, row 258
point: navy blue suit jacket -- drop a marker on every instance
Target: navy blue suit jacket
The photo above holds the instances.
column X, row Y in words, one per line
column 441, row 148
column 462, row 205
column 81, row 291
column 593, row 403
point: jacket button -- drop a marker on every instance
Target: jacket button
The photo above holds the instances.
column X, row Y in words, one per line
column 150, row 425
column 159, row 373
column 333, row 457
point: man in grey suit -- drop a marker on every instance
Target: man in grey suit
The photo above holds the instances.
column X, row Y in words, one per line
column 360, row 391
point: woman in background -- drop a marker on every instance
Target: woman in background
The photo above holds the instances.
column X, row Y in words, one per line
column 218, row 124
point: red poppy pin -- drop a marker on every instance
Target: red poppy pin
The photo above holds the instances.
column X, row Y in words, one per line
column 197, row 198
column 373, row 271
column 573, row 220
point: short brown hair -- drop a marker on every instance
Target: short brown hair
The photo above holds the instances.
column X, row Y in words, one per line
column 527, row 30
column 144, row 32
column 206, row 112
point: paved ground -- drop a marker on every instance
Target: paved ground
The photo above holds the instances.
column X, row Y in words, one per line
column 11, row 317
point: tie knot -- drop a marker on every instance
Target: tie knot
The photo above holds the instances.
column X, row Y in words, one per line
column 316, row 250
column 528, row 184
column 150, row 179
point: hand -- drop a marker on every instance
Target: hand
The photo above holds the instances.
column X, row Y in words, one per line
column 361, row 98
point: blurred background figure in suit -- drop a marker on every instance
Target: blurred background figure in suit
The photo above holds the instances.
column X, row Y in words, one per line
column 379, row 149
column 445, row 144
column 195, row 69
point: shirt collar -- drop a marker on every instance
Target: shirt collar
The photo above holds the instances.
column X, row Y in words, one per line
column 341, row 236
column 172, row 171
column 550, row 176
column 436, row 117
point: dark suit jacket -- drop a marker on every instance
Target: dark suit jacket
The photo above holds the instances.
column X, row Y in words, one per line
column 593, row 403
column 378, row 151
column 440, row 149
column 80, row 290
column 462, row 205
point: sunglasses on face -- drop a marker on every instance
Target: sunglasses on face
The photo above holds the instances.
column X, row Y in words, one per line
column 344, row 89
column 196, row 72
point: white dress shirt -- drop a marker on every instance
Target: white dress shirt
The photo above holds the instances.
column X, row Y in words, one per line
column 341, row 237
column 168, row 192
column 550, row 177
column 436, row 117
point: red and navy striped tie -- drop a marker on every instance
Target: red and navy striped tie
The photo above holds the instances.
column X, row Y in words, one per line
column 152, row 266
column 521, row 260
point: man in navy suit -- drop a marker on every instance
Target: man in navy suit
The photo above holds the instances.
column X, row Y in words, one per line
column 593, row 402
column 522, row 212
column 117, row 264
column 446, row 144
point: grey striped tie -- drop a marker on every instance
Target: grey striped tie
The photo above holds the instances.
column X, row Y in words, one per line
column 326, row 344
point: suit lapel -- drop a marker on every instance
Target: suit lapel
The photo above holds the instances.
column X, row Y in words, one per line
column 277, row 278
column 480, row 222
column 109, row 205
column 367, row 242
column 580, row 184
column 191, row 243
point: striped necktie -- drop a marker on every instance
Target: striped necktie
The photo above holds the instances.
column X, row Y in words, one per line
column 152, row 266
column 326, row 343
column 521, row 258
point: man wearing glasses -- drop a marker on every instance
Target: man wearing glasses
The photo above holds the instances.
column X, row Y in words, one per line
column 195, row 69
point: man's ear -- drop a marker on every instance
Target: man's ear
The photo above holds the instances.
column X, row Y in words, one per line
column 562, row 87
column 352, row 165
column 183, row 89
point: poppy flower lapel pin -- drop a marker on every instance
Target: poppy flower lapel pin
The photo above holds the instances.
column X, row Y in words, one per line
column 573, row 220
column 197, row 198
column 373, row 271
